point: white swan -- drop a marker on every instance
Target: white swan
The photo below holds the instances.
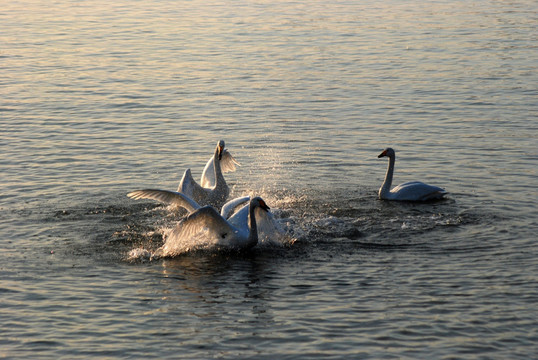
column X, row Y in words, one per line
column 215, row 195
column 409, row 191
column 207, row 226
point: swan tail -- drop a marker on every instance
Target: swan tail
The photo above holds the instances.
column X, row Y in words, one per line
column 436, row 195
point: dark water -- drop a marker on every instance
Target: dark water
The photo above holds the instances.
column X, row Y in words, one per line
column 99, row 99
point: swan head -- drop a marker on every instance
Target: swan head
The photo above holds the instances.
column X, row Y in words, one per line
column 387, row 152
column 259, row 202
column 220, row 147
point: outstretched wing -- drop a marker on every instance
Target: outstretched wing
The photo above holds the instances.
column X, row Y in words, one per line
column 201, row 229
column 209, row 218
column 269, row 230
column 228, row 162
column 189, row 187
column 167, row 197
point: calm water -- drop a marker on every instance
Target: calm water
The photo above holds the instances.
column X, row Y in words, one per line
column 99, row 98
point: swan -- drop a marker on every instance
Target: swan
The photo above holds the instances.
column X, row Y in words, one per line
column 214, row 195
column 409, row 191
column 236, row 212
column 206, row 225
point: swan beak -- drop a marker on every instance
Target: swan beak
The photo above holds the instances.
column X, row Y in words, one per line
column 221, row 150
column 264, row 206
column 384, row 153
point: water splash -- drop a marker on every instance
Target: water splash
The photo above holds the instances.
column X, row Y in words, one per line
column 180, row 240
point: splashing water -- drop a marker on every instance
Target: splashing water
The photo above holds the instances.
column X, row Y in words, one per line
column 181, row 240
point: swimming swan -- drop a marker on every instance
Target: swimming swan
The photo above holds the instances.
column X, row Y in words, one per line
column 214, row 229
column 215, row 195
column 409, row 191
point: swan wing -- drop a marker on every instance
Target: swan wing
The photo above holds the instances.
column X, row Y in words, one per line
column 201, row 229
column 186, row 184
column 240, row 218
column 227, row 164
column 417, row 191
column 210, row 220
column 167, row 197
column 229, row 208
column 189, row 187
column 269, row 230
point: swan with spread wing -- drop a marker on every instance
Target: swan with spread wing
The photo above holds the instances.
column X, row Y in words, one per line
column 232, row 228
column 209, row 227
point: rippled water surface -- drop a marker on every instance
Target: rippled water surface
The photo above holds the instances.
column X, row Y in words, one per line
column 101, row 98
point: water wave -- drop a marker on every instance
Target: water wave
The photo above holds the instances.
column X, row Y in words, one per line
column 337, row 220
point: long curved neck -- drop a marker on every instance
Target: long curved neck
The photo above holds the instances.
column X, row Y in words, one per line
column 385, row 188
column 253, row 233
column 219, row 178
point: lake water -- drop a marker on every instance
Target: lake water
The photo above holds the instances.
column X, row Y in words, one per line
column 101, row 98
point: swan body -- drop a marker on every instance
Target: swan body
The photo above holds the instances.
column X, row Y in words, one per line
column 208, row 224
column 408, row 191
column 215, row 195
column 269, row 231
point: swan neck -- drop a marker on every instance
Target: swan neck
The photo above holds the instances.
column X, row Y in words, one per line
column 253, row 228
column 219, row 178
column 385, row 188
